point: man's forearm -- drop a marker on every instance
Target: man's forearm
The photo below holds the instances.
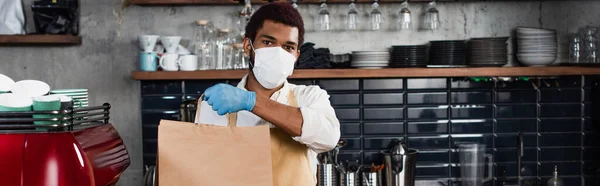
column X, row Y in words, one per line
column 283, row 116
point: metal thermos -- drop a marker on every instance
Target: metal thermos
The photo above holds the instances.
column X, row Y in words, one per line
column 327, row 175
column 349, row 179
column 187, row 110
column 400, row 163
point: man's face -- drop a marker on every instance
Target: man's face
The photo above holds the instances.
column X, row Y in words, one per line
column 273, row 34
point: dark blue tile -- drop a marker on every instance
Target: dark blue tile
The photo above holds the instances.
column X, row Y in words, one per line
column 456, row 171
column 432, row 182
column 564, row 169
column 154, row 117
column 510, row 155
column 459, row 83
column 515, row 125
column 516, row 84
column 428, row 113
column 161, row 87
column 433, row 171
column 198, row 87
column 347, row 113
column 591, row 154
column 560, row 154
column 150, row 159
column 591, row 168
column 555, row 140
column 510, row 140
column 560, row 95
column 510, row 169
column 560, row 125
column 472, row 138
column 428, row 127
column 383, row 99
column 589, row 126
column 428, row 142
column 192, row 96
column 513, row 180
column 150, row 146
column 434, row 156
column 516, row 96
column 471, row 97
column 350, row 156
column 516, row 111
column 352, row 144
column 588, row 110
column 560, row 110
column 431, row 98
column 350, row 129
column 374, row 157
column 378, row 143
column 591, row 180
column 429, row 83
column 587, row 95
column 344, row 99
column 389, row 128
column 591, row 139
column 301, row 82
column 472, row 111
column 591, row 81
column 150, row 131
column 384, row 113
column 455, row 154
column 471, row 126
column 172, row 102
column 341, row 84
column 382, row 84
column 562, row 82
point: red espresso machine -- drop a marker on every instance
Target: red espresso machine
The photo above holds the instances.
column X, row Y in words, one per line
column 79, row 147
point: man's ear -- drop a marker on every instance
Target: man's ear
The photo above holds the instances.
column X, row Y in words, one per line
column 247, row 47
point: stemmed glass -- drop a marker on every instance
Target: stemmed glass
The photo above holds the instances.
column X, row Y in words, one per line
column 353, row 18
column 432, row 17
column 323, row 21
column 404, row 19
column 375, row 16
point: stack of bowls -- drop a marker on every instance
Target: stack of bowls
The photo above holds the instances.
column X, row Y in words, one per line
column 370, row 59
column 451, row 53
column 488, row 52
column 79, row 96
column 536, row 47
column 408, row 56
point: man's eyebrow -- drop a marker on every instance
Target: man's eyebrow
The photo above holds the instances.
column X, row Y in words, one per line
column 291, row 43
column 269, row 37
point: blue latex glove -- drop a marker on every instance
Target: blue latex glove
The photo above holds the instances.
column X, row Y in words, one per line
column 225, row 99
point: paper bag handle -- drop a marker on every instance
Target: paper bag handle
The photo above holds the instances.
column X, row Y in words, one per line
column 231, row 117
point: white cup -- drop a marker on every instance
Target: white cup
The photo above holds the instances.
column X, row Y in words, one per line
column 188, row 62
column 170, row 43
column 147, row 42
column 168, row 62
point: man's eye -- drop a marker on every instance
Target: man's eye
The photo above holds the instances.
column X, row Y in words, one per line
column 268, row 43
column 288, row 48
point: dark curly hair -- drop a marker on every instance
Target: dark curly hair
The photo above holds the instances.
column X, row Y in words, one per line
column 283, row 13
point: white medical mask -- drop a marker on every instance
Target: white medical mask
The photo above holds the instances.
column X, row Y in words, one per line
column 272, row 66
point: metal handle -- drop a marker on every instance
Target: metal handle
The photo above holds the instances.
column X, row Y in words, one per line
column 490, row 165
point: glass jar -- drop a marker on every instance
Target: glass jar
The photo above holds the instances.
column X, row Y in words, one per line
column 240, row 59
column 203, row 44
column 575, row 50
column 590, row 45
column 223, row 48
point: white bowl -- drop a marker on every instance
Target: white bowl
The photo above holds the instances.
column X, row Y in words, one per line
column 537, row 61
column 527, row 30
column 30, row 88
column 5, row 83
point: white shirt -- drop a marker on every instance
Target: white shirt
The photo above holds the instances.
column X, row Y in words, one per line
column 320, row 129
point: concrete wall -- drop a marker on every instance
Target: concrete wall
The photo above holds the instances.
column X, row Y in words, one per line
column 109, row 51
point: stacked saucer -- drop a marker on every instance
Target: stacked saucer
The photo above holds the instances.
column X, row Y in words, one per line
column 370, row 59
column 451, row 53
column 408, row 56
column 488, row 52
column 79, row 96
column 536, row 47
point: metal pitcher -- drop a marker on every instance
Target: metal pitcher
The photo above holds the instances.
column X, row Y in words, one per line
column 327, row 175
column 187, row 110
column 400, row 165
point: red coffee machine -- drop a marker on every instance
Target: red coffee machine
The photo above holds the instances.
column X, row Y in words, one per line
column 78, row 148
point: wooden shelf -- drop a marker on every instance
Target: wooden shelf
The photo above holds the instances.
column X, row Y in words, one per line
column 377, row 73
column 236, row 2
column 39, row 39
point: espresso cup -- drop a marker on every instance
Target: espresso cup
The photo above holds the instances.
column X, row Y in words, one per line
column 188, row 62
column 170, row 43
column 168, row 62
column 148, row 61
column 46, row 103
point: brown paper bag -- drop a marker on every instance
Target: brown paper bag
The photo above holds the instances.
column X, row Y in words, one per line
column 206, row 155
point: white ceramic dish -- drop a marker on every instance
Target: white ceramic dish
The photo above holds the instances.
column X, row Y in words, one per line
column 526, row 30
column 15, row 101
column 30, row 88
column 5, row 83
column 61, row 91
column 536, row 60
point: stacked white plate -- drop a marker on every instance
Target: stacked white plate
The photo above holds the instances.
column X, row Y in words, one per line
column 79, row 96
column 536, row 47
column 370, row 59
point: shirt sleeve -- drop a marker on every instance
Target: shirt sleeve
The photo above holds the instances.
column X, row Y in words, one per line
column 321, row 128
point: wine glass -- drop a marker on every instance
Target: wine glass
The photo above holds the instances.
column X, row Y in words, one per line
column 375, row 16
column 353, row 18
column 404, row 18
column 323, row 19
column 432, row 17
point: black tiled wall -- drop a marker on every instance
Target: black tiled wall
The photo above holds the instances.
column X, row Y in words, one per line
column 433, row 114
